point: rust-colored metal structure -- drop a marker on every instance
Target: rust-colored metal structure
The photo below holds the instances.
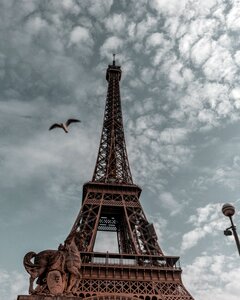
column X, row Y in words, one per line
column 110, row 202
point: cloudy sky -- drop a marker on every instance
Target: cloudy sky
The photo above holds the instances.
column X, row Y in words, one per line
column 181, row 105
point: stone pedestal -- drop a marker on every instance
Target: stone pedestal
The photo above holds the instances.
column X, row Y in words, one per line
column 38, row 297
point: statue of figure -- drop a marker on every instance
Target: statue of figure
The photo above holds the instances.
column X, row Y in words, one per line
column 57, row 271
column 72, row 264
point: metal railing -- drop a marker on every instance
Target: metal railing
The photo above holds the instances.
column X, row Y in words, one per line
column 98, row 258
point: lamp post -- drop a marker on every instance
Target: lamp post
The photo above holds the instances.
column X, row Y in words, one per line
column 229, row 210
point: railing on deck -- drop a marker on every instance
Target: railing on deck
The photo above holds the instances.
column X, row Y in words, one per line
column 151, row 261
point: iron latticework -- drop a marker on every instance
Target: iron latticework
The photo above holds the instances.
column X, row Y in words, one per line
column 112, row 161
column 115, row 208
column 111, row 203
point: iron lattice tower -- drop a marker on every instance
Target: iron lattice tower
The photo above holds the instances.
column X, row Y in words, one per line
column 111, row 203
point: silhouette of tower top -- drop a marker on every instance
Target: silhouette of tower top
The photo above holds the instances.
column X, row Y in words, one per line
column 112, row 164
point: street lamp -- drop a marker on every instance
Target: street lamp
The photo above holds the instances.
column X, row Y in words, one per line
column 229, row 210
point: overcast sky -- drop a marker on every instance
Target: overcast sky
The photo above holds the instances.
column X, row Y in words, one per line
column 181, row 107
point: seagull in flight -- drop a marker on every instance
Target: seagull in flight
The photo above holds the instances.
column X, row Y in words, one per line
column 64, row 126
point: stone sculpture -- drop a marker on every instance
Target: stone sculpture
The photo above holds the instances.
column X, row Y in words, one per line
column 57, row 272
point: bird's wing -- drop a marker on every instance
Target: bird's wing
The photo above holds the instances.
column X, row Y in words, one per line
column 55, row 126
column 72, row 121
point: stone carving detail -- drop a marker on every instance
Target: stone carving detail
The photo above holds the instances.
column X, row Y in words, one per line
column 57, row 272
column 55, row 282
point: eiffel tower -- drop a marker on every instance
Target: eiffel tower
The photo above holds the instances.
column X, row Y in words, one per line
column 110, row 203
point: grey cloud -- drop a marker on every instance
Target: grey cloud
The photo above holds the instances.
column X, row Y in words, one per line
column 111, row 45
column 170, row 203
column 203, row 284
column 172, row 7
column 116, row 23
column 208, row 221
column 233, row 22
column 99, row 9
column 12, row 284
column 223, row 175
column 173, row 135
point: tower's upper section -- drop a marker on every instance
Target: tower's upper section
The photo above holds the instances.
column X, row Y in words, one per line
column 112, row 164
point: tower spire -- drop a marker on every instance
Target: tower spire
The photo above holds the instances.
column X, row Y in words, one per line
column 112, row 164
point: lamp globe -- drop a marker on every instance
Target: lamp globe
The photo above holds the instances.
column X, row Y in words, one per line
column 228, row 210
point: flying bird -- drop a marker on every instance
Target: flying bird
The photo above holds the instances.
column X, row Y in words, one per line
column 64, row 126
